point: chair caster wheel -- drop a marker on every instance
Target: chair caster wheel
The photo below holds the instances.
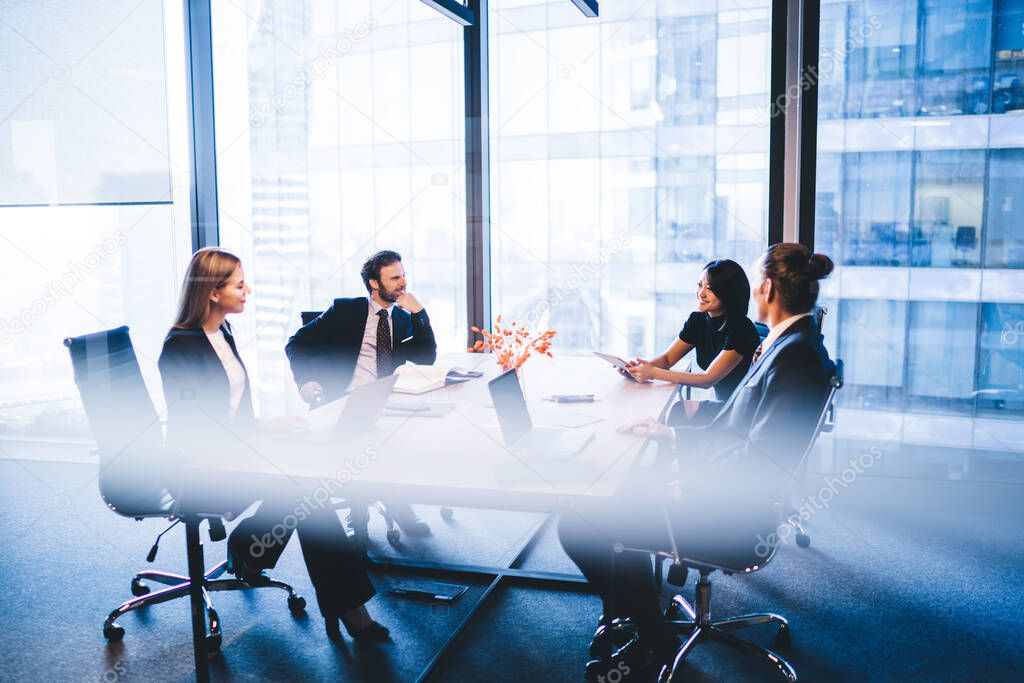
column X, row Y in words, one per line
column 803, row 540
column 447, row 514
column 297, row 604
column 782, row 638
column 213, row 642
column 113, row 633
column 139, row 589
column 393, row 536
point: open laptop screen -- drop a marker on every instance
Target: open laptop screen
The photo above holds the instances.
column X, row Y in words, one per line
column 363, row 406
column 507, row 396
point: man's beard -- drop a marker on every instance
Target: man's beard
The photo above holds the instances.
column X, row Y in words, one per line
column 391, row 296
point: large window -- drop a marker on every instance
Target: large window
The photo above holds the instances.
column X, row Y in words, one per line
column 339, row 132
column 626, row 152
column 93, row 194
column 918, row 201
column 1004, row 234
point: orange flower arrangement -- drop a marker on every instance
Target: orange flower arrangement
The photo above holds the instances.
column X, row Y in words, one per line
column 512, row 345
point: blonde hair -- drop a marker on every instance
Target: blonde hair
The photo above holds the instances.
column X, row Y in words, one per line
column 211, row 268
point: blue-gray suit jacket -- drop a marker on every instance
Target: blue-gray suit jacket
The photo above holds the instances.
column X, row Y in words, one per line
column 765, row 426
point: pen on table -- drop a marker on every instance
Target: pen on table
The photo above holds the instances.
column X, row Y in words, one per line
column 408, row 409
column 571, row 398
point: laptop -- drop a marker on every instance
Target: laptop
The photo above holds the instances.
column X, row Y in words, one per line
column 517, row 429
column 362, row 408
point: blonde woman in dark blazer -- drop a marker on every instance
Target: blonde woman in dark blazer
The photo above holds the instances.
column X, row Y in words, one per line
column 209, row 406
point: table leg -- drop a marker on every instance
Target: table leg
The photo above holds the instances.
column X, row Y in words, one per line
column 511, row 574
column 196, row 575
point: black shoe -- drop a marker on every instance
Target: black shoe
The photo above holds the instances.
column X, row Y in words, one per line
column 373, row 632
column 611, row 634
column 636, row 656
column 243, row 572
column 408, row 520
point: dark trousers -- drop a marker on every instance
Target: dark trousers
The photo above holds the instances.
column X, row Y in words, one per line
column 337, row 568
column 599, row 542
column 715, row 515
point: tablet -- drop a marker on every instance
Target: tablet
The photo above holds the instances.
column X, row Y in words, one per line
column 617, row 362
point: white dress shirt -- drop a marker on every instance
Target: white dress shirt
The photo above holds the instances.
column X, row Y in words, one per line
column 366, row 363
column 234, row 369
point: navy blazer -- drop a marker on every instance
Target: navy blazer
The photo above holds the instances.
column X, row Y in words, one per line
column 326, row 350
column 197, row 391
column 767, row 423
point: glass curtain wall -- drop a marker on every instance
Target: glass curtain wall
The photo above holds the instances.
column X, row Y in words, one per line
column 339, row 133
column 626, row 152
column 920, row 173
column 94, row 189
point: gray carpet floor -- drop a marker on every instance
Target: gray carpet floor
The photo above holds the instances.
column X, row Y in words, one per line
column 905, row 580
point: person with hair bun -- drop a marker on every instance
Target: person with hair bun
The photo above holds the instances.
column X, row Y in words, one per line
column 736, row 466
column 721, row 336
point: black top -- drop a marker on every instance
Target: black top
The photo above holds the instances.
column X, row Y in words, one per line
column 710, row 336
column 326, row 349
column 198, row 392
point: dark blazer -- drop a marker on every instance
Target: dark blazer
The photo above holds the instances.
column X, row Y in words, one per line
column 197, row 391
column 768, row 421
column 327, row 348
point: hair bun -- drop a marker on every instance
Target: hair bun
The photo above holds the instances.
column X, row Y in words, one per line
column 819, row 266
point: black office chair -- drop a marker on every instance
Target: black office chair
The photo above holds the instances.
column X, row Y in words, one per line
column 694, row 621
column 826, row 423
column 135, row 468
column 359, row 518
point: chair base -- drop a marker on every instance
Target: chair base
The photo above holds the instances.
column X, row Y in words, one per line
column 359, row 522
column 720, row 631
column 178, row 586
column 696, row 625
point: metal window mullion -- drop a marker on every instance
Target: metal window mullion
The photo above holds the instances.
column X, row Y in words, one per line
column 793, row 117
column 777, row 122
column 807, row 178
column 201, row 134
column 478, row 210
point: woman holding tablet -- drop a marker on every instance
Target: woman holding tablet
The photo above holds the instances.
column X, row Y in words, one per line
column 719, row 333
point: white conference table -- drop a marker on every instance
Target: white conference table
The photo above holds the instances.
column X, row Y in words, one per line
column 461, row 459
column 457, row 460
